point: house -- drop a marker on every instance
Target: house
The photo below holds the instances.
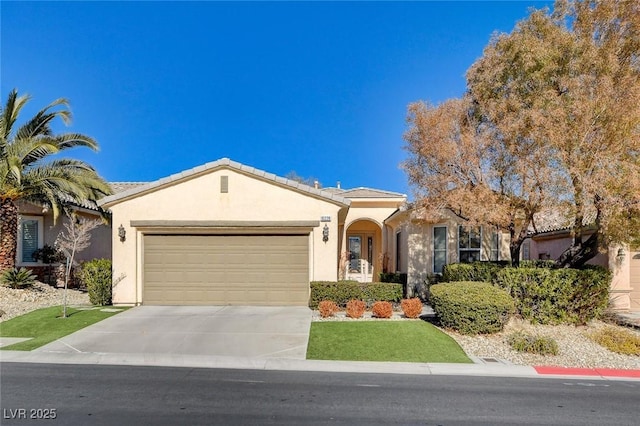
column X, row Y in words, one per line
column 227, row 233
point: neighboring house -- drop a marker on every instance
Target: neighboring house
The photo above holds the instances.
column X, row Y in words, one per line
column 36, row 228
column 554, row 237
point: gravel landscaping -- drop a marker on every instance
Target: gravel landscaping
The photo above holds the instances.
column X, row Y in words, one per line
column 15, row 302
column 575, row 348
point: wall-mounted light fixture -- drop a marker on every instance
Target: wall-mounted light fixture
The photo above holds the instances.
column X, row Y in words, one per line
column 325, row 233
column 620, row 255
column 122, row 233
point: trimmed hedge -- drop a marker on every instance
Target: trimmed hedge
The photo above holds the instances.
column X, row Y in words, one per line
column 393, row 277
column 472, row 307
column 343, row 291
column 475, row 271
column 555, row 296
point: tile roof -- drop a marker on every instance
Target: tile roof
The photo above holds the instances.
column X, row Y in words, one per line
column 139, row 188
column 118, row 187
column 555, row 220
column 364, row 192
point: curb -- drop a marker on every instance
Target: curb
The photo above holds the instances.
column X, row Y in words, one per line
column 595, row 372
column 284, row 364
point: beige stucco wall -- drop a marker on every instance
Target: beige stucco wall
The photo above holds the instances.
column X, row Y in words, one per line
column 199, row 199
column 621, row 280
column 420, row 247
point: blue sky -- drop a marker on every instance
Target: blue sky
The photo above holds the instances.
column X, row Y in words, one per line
column 320, row 88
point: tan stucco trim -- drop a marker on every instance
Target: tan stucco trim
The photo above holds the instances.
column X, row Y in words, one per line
column 224, row 227
column 224, row 224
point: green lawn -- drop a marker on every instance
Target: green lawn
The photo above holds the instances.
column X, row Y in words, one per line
column 46, row 325
column 402, row 341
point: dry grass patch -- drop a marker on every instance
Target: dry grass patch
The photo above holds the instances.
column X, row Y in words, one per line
column 617, row 340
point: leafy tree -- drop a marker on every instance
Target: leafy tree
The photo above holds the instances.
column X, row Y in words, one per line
column 26, row 175
column 559, row 97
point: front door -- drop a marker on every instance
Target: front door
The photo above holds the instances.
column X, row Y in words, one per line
column 360, row 257
column 355, row 254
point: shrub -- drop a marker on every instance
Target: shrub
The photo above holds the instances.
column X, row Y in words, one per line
column 393, row 277
column 15, row 278
column 382, row 310
column 343, row 291
column 471, row 307
column 96, row 277
column 554, row 296
column 412, row 308
column 327, row 308
column 538, row 263
column 355, row 308
column 617, row 340
column 475, row 271
column 533, row 344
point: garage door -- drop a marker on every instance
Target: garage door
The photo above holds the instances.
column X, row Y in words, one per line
column 226, row 270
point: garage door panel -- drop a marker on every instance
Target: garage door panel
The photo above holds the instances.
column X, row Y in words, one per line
column 239, row 269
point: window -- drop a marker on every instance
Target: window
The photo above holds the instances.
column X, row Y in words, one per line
column 525, row 253
column 468, row 244
column 494, row 253
column 398, row 254
column 29, row 238
column 439, row 248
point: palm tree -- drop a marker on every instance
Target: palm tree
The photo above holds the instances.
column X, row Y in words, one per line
column 25, row 173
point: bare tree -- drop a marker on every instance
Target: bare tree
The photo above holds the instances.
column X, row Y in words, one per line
column 459, row 162
column 551, row 122
column 74, row 239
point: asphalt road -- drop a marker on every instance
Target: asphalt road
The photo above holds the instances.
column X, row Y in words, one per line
column 123, row 395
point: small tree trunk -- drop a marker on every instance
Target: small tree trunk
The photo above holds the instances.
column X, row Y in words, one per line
column 64, row 293
column 8, row 233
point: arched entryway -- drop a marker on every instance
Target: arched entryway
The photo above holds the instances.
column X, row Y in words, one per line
column 363, row 245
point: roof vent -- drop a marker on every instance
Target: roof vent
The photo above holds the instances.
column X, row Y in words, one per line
column 224, row 184
column 338, row 185
column 316, row 184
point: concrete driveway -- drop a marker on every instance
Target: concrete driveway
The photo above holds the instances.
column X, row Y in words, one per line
column 236, row 331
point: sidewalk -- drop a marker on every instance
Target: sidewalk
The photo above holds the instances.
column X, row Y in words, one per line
column 199, row 361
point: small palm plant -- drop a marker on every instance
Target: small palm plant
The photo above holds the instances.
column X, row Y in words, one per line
column 17, row 278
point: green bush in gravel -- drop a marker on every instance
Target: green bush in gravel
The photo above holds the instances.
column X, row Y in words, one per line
column 540, row 345
column 471, row 307
column 97, row 278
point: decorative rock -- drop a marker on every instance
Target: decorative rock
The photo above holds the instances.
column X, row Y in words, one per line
column 15, row 302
